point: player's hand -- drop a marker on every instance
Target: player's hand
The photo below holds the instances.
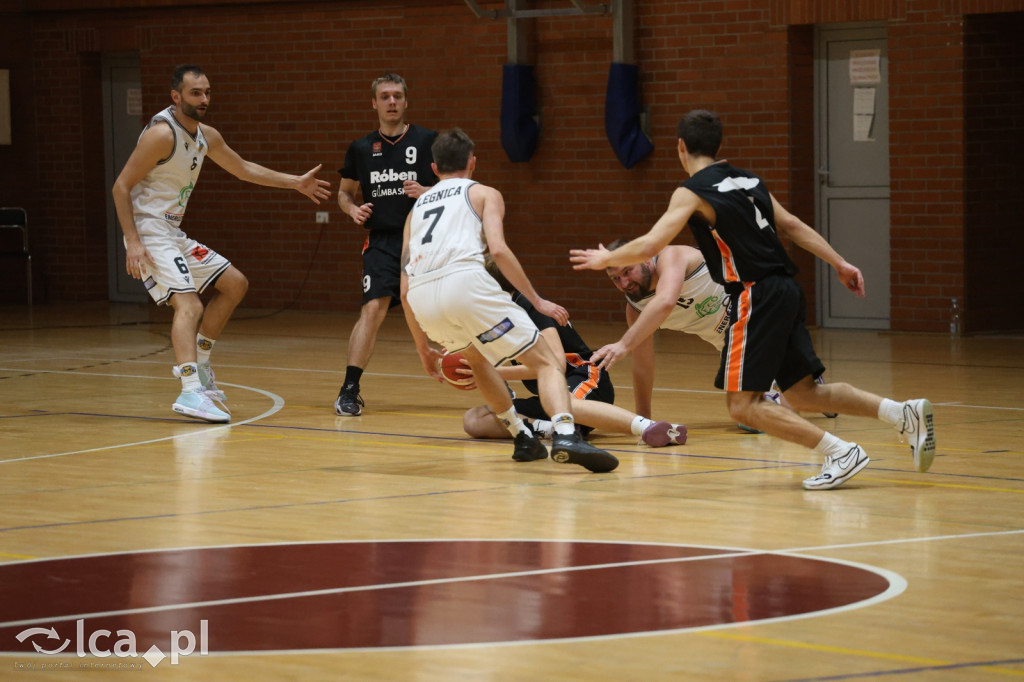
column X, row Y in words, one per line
column 362, row 214
column 589, row 259
column 431, row 358
column 605, row 357
column 136, row 256
column 313, row 187
column 413, row 189
column 554, row 311
column 851, row 277
column 466, row 372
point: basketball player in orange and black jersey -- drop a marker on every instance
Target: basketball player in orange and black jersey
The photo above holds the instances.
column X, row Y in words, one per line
column 390, row 167
column 738, row 225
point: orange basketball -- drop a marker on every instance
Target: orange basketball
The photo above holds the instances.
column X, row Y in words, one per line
column 448, row 364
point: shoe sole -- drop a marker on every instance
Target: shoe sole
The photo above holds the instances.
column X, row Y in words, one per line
column 599, row 462
column 835, row 483
column 925, row 452
column 535, row 451
column 530, row 456
column 203, row 416
column 341, row 413
column 347, row 414
column 660, row 434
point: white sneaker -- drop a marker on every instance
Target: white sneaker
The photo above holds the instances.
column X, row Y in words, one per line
column 918, row 427
column 199, row 406
column 209, row 385
column 838, row 470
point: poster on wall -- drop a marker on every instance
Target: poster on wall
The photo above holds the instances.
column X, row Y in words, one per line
column 863, row 114
column 865, row 67
column 5, row 106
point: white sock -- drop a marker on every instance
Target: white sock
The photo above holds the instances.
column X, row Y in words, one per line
column 189, row 373
column 510, row 418
column 204, row 346
column 890, row 411
column 563, row 424
column 542, row 427
column 639, row 425
column 831, row 446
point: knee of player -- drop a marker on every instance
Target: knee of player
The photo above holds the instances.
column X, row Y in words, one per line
column 239, row 285
column 473, row 421
column 740, row 411
column 187, row 305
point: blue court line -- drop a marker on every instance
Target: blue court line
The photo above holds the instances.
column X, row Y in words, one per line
column 653, row 451
column 907, row 671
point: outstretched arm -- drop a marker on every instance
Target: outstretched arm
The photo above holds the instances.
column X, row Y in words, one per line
column 672, row 268
column 682, row 205
column 804, row 236
column 491, row 207
column 228, row 159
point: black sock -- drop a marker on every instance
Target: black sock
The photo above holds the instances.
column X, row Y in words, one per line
column 352, row 375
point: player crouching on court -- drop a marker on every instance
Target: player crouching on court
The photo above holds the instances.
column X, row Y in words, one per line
column 593, row 394
column 449, row 297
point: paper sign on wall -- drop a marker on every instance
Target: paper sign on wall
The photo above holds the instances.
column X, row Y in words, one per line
column 133, row 99
column 865, row 67
column 863, row 114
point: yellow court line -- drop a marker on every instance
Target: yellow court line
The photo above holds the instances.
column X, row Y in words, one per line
column 826, row 648
column 17, row 556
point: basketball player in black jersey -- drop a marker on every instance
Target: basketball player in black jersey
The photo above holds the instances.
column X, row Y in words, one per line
column 390, row 168
column 590, row 388
column 737, row 224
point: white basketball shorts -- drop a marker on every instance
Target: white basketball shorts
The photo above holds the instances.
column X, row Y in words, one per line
column 466, row 306
column 181, row 264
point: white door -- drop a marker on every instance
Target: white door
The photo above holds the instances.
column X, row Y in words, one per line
column 122, row 121
column 852, row 148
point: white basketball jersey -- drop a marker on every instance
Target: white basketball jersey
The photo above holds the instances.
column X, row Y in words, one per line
column 165, row 190
column 702, row 308
column 444, row 229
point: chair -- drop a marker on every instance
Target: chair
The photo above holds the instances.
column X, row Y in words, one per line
column 17, row 219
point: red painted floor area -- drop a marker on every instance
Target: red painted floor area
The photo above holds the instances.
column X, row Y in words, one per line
column 376, row 594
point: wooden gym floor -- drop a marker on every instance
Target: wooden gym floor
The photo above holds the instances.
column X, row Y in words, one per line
column 294, row 544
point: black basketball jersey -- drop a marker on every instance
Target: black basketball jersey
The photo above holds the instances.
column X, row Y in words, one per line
column 381, row 165
column 742, row 245
column 576, row 351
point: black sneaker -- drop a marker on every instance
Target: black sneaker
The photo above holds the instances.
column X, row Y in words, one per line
column 349, row 402
column 528, row 448
column 574, row 450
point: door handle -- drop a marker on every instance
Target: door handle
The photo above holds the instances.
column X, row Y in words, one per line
column 822, row 176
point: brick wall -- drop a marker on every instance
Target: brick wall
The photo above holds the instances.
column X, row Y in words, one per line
column 290, row 90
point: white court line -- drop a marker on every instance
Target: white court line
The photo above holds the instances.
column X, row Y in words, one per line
column 894, row 579
column 897, row 585
column 278, row 404
column 264, row 368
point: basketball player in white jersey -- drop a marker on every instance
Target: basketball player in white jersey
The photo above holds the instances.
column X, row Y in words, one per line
column 450, row 298
column 150, row 196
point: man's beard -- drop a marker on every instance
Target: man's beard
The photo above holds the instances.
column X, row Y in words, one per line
column 192, row 112
column 643, row 286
